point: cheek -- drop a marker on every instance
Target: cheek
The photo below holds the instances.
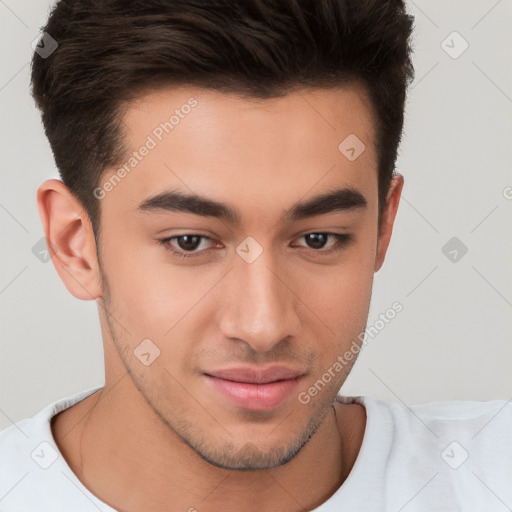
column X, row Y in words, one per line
column 341, row 300
column 343, row 307
column 139, row 291
column 152, row 298
column 342, row 293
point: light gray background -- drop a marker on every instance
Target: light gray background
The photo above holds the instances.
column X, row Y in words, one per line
column 452, row 339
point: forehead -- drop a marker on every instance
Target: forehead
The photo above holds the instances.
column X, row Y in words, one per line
column 246, row 150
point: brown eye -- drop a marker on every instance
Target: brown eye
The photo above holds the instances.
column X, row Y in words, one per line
column 318, row 241
column 186, row 245
column 188, row 242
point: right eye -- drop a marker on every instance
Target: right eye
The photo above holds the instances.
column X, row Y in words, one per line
column 187, row 245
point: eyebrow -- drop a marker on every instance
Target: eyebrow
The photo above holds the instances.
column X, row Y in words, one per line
column 336, row 200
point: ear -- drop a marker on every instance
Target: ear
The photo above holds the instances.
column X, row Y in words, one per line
column 388, row 219
column 70, row 239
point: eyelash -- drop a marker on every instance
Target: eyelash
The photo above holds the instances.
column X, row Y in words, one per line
column 342, row 240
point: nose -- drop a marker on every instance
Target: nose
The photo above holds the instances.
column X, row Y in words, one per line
column 258, row 305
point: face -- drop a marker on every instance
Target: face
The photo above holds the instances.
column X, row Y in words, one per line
column 216, row 251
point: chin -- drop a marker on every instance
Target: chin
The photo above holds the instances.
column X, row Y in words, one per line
column 251, row 456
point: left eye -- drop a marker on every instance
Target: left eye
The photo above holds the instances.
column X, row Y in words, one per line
column 319, row 240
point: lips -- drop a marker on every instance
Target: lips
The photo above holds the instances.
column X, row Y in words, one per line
column 253, row 388
column 254, row 376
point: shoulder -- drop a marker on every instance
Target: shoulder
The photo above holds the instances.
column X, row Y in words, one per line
column 33, row 473
column 24, row 438
column 478, row 428
column 462, row 417
column 459, row 452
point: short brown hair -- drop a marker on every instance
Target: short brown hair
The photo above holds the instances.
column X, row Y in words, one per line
column 109, row 51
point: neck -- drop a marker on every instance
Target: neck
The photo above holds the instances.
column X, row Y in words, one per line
column 132, row 461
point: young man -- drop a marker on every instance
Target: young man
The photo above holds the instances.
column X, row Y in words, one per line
column 228, row 192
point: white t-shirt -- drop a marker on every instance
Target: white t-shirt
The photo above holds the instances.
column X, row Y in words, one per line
column 442, row 456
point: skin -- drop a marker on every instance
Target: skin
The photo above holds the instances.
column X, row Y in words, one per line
column 154, row 437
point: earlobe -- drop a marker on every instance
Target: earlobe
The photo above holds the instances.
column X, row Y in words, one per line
column 388, row 219
column 70, row 239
